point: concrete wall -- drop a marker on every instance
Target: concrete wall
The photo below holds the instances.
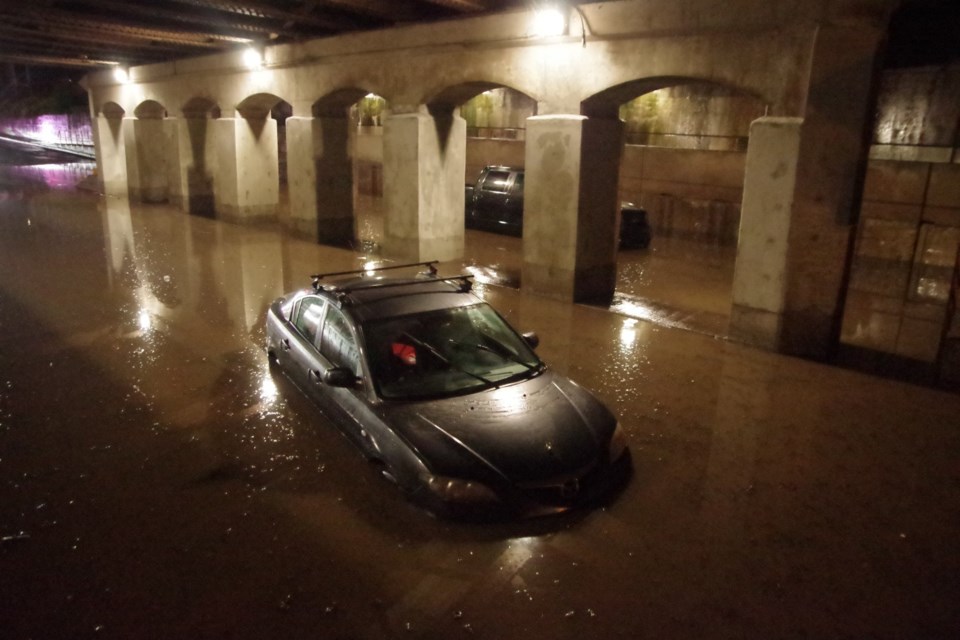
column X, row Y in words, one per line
column 905, row 254
column 687, row 193
column 902, row 292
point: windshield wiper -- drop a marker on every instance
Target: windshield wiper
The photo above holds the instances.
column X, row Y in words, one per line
column 502, row 353
column 442, row 358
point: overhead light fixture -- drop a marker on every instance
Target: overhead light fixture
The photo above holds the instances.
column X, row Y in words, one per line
column 547, row 22
column 252, row 58
column 120, row 75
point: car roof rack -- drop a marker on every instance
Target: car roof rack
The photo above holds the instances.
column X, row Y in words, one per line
column 343, row 291
column 431, row 265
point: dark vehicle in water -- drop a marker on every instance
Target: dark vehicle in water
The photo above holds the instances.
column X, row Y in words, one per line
column 495, row 203
column 431, row 383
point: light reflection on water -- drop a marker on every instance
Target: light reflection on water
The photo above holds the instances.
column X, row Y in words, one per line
column 45, row 176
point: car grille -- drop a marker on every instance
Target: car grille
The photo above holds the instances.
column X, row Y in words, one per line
column 563, row 490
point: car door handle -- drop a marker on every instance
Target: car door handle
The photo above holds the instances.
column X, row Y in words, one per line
column 313, row 376
column 285, row 344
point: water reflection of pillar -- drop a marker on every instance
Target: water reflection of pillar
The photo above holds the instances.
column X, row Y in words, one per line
column 118, row 236
column 763, row 460
column 252, row 276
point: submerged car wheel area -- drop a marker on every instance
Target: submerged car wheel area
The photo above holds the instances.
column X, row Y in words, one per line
column 431, row 382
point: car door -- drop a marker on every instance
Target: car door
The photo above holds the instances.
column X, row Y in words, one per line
column 298, row 353
column 513, row 205
column 339, row 347
column 490, row 197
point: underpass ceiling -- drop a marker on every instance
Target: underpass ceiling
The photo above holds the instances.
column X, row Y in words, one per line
column 89, row 34
column 81, row 35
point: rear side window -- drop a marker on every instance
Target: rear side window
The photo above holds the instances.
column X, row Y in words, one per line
column 518, row 184
column 496, row 181
column 307, row 318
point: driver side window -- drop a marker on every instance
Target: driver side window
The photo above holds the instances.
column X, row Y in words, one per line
column 337, row 344
column 307, row 320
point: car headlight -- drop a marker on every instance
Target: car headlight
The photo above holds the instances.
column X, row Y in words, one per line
column 618, row 443
column 457, row 490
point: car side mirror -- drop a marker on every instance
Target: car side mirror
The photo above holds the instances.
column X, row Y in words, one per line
column 340, row 377
column 532, row 339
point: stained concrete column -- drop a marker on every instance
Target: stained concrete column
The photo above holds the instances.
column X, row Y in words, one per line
column 828, row 162
column 760, row 276
column 129, row 131
column 173, row 163
column 247, row 182
column 320, row 178
column 111, row 154
column 191, row 164
column 424, row 161
column 150, row 143
column 571, row 207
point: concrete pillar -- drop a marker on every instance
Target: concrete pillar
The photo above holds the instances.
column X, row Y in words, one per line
column 571, row 207
column 176, row 177
column 760, row 280
column 150, row 143
column 129, row 131
column 828, row 164
column 424, row 161
column 320, row 179
column 247, row 182
column 111, row 155
column 191, row 164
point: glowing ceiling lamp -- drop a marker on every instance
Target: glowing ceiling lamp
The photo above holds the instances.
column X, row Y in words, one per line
column 252, row 58
column 548, row 22
column 121, row 75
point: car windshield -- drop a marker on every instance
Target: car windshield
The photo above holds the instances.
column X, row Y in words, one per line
column 446, row 352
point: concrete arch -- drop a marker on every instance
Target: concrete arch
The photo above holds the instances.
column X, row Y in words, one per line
column 606, row 103
column 457, row 94
column 150, row 110
column 111, row 111
column 200, row 107
column 336, row 103
column 258, row 106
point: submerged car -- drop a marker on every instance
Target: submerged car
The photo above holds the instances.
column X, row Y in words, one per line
column 433, row 384
column 495, row 203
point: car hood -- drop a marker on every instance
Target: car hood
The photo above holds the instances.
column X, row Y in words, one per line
column 539, row 429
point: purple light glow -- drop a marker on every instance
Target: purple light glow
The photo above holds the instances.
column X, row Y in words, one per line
column 51, row 129
column 47, row 176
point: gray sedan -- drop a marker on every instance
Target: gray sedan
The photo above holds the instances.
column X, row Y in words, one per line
column 433, row 385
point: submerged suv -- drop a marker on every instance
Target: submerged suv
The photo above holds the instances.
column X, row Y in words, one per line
column 431, row 382
column 495, row 203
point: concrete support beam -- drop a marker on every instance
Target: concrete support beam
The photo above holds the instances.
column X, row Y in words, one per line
column 173, row 162
column 320, row 179
column 111, row 155
column 834, row 148
column 129, row 131
column 151, row 160
column 194, row 161
column 247, row 183
column 571, row 207
column 424, row 160
column 829, row 163
column 760, row 281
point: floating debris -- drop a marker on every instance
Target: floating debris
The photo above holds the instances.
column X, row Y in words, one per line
column 17, row 537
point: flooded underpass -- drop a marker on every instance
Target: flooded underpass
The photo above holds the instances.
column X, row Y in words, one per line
column 157, row 480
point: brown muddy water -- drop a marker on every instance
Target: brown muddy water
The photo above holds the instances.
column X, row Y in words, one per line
column 156, row 481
